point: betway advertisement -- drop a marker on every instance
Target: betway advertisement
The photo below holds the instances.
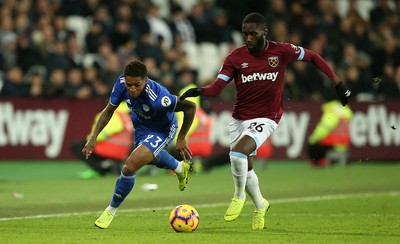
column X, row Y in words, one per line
column 45, row 129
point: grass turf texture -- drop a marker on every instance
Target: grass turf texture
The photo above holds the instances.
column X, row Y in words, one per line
column 355, row 204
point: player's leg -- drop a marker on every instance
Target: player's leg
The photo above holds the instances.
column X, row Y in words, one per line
column 181, row 168
column 142, row 155
column 241, row 147
column 239, row 167
column 260, row 203
column 260, row 130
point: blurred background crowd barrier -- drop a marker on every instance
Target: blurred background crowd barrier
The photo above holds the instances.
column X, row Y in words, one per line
column 46, row 128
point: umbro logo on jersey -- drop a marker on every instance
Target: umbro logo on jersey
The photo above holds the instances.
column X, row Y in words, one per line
column 257, row 76
column 245, row 65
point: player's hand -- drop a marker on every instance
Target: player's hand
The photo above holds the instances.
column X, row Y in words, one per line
column 88, row 148
column 343, row 93
column 183, row 149
column 192, row 92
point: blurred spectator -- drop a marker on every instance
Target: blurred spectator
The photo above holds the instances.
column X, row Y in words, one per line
column 60, row 30
column 199, row 20
column 58, row 57
column 120, row 34
column 291, row 90
column 56, row 83
column 389, row 89
column 114, row 144
column 13, row 84
column 91, row 77
column 330, row 140
column 94, row 37
column 37, row 81
column 112, row 71
column 146, row 49
column 388, row 53
column 359, row 88
column 102, row 16
column 75, row 87
column 380, row 12
column 8, row 42
column 223, row 32
column 75, row 52
column 27, row 54
column 181, row 26
column 159, row 29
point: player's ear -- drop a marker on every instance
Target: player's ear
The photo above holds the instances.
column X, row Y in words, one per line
column 265, row 31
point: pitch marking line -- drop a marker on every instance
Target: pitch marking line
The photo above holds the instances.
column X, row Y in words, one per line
column 213, row 205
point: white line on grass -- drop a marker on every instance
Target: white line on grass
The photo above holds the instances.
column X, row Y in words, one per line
column 213, row 205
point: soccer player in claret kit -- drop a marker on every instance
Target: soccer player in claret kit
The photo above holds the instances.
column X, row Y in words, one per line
column 155, row 125
column 258, row 70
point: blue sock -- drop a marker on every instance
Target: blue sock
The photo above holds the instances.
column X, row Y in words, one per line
column 164, row 160
column 123, row 187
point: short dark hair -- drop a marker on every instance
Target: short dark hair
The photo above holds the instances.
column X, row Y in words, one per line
column 135, row 69
column 256, row 18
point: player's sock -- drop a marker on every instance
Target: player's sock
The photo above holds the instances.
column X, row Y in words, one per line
column 253, row 189
column 123, row 187
column 164, row 160
column 112, row 210
column 239, row 172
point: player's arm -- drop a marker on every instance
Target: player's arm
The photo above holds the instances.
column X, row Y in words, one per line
column 212, row 90
column 103, row 120
column 341, row 90
column 189, row 110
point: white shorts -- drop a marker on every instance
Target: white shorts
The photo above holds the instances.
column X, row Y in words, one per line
column 259, row 129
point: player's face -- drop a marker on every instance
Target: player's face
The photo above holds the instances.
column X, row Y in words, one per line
column 254, row 37
column 135, row 85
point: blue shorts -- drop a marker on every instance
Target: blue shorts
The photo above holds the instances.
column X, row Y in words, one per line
column 154, row 140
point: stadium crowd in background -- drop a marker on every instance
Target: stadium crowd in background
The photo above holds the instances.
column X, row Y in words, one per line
column 75, row 49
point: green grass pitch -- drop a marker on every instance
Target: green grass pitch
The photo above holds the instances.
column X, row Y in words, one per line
column 359, row 203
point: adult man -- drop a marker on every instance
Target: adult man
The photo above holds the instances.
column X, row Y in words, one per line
column 330, row 139
column 258, row 70
column 155, row 126
column 113, row 145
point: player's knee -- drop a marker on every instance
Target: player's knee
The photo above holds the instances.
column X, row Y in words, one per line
column 129, row 169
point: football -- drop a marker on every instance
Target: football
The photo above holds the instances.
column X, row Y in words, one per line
column 184, row 218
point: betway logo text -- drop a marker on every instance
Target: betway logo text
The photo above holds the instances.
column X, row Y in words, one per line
column 257, row 76
column 37, row 127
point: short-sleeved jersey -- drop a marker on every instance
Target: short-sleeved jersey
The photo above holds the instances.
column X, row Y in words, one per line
column 153, row 109
column 259, row 79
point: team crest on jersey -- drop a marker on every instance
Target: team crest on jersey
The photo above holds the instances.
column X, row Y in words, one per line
column 273, row 61
column 145, row 107
column 165, row 101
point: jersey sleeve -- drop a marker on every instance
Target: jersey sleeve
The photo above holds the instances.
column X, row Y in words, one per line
column 116, row 94
column 165, row 101
column 293, row 52
column 227, row 70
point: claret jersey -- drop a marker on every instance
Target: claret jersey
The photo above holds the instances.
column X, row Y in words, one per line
column 259, row 79
column 152, row 110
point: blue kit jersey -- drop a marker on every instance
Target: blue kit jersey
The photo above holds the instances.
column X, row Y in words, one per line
column 152, row 112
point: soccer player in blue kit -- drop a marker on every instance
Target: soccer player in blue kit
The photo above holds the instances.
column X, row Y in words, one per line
column 152, row 112
column 257, row 68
